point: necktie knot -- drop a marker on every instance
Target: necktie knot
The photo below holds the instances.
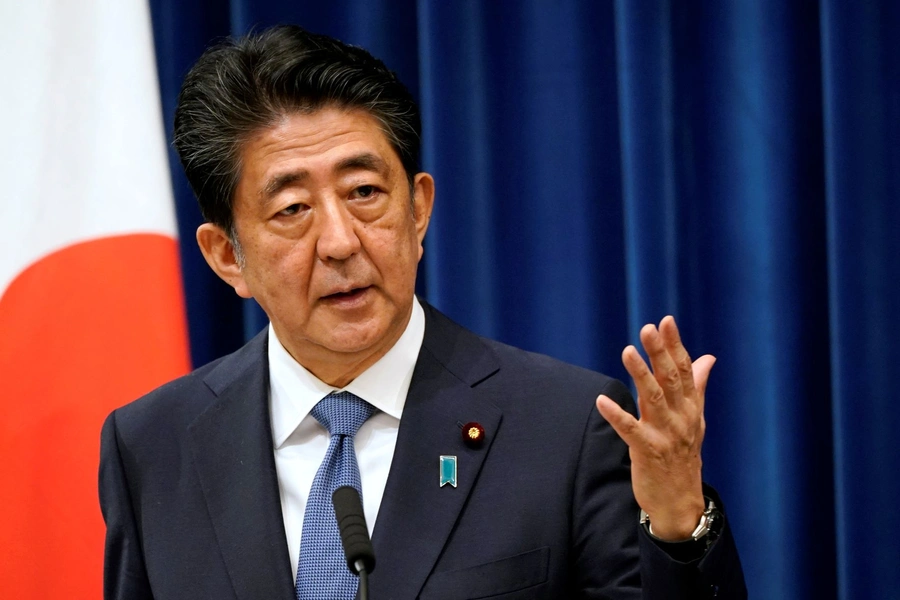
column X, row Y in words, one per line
column 342, row 413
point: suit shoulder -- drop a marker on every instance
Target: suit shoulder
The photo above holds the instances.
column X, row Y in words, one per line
column 181, row 400
column 177, row 400
column 528, row 366
column 481, row 361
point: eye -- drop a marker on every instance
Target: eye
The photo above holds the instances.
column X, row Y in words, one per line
column 293, row 209
column 365, row 191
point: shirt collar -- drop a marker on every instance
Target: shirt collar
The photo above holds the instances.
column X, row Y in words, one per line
column 294, row 391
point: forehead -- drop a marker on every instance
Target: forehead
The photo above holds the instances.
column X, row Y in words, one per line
column 314, row 144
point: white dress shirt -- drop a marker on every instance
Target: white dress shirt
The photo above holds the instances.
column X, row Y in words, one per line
column 301, row 442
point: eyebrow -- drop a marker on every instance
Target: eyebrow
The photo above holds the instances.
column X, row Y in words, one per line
column 279, row 182
column 365, row 161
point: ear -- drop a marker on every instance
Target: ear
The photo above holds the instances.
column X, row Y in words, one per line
column 423, row 203
column 218, row 251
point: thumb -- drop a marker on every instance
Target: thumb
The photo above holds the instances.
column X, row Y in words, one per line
column 701, row 368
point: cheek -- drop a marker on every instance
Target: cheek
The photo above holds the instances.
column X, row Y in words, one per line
column 403, row 255
column 281, row 269
column 400, row 246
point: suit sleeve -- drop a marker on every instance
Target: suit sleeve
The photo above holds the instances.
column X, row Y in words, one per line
column 717, row 574
column 605, row 552
column 613, row 558
column 124, row 572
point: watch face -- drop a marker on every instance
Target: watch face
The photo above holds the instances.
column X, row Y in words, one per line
column 714, row 523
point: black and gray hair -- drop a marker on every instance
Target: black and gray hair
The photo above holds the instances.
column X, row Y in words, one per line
column 246, row 84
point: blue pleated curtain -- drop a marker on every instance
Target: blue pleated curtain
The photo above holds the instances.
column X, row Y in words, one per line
column 602, row 164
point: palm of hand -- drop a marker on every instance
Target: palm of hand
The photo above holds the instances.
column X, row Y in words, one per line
column 664, row 444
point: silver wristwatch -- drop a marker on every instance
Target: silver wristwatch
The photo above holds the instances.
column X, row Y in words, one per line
column 706, row 530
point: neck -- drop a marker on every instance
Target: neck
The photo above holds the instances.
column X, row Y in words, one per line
column 338, row 369
column 340, row 375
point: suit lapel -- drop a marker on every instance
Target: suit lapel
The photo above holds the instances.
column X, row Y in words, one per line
column 232, row 450
column 416, row 515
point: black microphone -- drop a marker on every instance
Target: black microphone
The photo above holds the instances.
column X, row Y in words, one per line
column 351, row 522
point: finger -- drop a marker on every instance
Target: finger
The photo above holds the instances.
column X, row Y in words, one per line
column 702, row 367
column 651, row 398
column 668, row 330
column 622, row 421
column 664, row 369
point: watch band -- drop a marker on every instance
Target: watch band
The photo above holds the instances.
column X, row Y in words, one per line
column 707, row 529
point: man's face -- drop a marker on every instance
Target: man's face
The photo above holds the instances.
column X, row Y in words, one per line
column 330, row 237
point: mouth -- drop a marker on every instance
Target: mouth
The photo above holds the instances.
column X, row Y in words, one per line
column 347, row 297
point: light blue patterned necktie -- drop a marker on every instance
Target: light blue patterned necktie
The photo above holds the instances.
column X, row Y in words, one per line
column 322, row 571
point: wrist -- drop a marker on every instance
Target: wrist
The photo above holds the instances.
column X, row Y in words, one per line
column 675, row 525
column 707, row 530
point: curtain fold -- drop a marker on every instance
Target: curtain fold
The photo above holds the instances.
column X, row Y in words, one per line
column 602, row 164
column 861, row 92
column 724, row 196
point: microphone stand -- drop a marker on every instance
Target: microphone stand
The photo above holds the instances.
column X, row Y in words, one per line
column 363, row 579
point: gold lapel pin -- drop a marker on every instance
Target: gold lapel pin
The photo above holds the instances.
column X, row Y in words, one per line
column 473, row 434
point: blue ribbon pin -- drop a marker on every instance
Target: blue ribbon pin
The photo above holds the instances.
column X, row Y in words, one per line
column 448, row 470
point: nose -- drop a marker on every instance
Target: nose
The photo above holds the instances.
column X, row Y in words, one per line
column 337, row 237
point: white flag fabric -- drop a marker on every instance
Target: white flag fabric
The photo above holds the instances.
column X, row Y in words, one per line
column 91, row 302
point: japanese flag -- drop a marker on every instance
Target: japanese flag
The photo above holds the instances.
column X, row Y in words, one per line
column 91, row 306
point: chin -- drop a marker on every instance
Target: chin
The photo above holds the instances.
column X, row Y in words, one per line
column 350, row 339
column 381, row 325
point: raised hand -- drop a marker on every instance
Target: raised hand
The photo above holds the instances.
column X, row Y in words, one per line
column 664, row 443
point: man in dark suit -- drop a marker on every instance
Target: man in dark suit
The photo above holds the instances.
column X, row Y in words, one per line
column 303, row 153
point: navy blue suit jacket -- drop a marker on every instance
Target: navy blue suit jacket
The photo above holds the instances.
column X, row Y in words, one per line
column 543, row 509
